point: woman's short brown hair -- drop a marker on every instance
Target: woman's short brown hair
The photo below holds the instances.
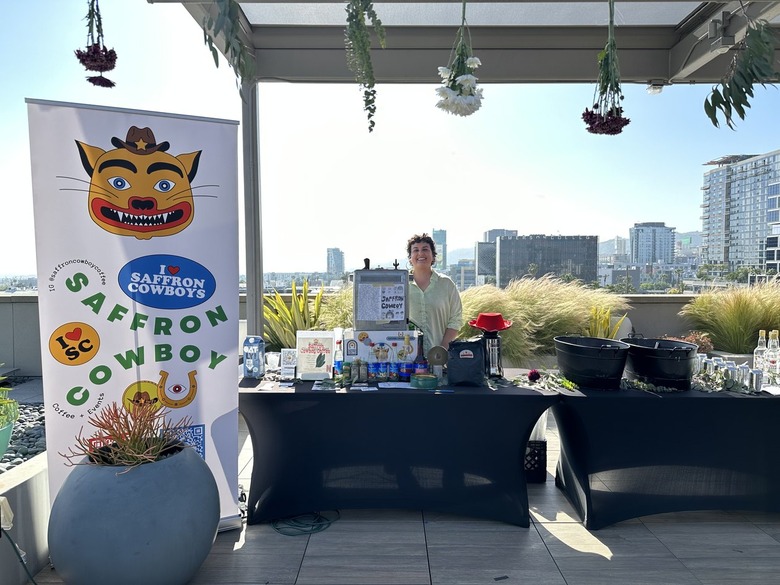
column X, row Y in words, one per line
column 419, row 239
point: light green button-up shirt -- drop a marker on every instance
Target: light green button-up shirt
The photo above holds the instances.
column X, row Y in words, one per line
column 436, row 309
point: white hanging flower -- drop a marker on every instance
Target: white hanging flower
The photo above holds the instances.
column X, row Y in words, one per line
column 459, row 93
column 467, row 82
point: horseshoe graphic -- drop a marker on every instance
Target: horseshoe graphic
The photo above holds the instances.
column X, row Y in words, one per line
column 174, row 397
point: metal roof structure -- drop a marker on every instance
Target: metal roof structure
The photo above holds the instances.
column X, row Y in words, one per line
column 659, row 43
column 519, row 41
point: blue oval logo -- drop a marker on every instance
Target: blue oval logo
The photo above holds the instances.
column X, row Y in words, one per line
column 164, row 281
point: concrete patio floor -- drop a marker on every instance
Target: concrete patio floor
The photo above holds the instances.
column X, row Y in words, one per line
column 414, row 547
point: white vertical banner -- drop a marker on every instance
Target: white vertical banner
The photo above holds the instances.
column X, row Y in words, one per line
column 136, row 230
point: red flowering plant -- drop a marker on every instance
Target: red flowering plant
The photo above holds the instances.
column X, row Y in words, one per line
column 606, row 117
column 96, row 57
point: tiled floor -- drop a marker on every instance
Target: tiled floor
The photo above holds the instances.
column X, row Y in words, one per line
column 411, row 547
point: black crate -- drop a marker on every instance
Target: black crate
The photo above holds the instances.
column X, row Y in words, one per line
column 536, row 462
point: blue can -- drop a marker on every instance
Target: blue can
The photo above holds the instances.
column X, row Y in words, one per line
column 254, row 357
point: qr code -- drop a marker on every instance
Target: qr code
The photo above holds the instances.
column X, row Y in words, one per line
column 195, row 436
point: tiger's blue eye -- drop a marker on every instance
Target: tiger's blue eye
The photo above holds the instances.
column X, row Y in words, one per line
column 119, row 183
column 164, row 185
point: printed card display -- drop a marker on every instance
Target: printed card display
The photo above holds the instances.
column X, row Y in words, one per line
column 314, row 354
column 289, row 359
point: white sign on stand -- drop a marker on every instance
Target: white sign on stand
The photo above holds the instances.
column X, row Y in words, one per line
column 136, row 218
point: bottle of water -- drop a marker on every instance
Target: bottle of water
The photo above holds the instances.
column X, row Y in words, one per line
column 758, row 353
column 382, row 367
column 771, row 358
column 338, row 359
column 393, row 368
column 373, row 362
column 405, row 367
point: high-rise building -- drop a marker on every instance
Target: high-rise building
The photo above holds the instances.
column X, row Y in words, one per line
column 651, row 243
column 463, row 273
column 621, row 246
column 493, row 235
column 741, row 212
column 560, row 255
column 335, row 262
column 440, row 239
column 485, row 258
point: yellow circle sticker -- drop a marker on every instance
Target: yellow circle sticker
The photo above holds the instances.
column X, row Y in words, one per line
column 74, row 344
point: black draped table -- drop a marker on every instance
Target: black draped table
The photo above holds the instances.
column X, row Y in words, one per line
column 460, row 452
column 628, row 453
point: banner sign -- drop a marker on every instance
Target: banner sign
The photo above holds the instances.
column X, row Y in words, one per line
column 136, row 231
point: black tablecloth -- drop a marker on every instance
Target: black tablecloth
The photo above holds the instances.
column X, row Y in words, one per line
column 459, row 452
column 626, row 454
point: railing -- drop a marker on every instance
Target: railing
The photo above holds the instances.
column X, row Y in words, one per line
column 20, row 345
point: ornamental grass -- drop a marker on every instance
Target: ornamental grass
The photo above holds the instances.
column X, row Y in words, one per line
column 556, row 307
column 540, row 310
column 517, row 342
column 732, row 317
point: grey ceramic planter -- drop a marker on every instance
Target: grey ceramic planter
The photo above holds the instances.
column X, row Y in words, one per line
column 153, row 525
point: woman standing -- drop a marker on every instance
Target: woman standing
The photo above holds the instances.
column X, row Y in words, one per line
column 434, row 301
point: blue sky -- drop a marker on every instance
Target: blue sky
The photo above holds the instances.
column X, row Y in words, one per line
column 524, row 161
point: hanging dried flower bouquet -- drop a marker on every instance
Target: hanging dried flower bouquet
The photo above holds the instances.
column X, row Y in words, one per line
column 96, row 57
column 606, row 117
column 459, row 94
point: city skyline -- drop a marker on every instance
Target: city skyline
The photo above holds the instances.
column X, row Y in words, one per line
column 523, row 162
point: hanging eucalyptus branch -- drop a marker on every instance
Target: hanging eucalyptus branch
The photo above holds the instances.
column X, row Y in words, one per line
column 606, row 117
column 753, row 63
column 357, row 41
column 227, row 23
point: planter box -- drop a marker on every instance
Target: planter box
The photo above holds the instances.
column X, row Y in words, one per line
column 738, row 358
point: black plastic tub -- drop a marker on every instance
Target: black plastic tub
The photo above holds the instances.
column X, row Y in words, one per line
column 591, row 362
column 661, row 362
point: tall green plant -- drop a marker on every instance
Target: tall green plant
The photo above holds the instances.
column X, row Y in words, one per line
column 282, row 322
column 337, row 309
column 600, row 323
column 732, row 317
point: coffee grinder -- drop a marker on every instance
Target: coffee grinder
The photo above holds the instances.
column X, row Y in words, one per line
column 491, row 324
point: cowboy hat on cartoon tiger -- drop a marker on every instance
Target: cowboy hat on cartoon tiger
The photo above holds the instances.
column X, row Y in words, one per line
column 138, row 189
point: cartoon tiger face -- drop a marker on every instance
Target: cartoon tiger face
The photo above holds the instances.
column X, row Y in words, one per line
column 138, row 189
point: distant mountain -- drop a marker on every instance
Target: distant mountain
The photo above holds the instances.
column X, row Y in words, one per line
column 454, row 256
